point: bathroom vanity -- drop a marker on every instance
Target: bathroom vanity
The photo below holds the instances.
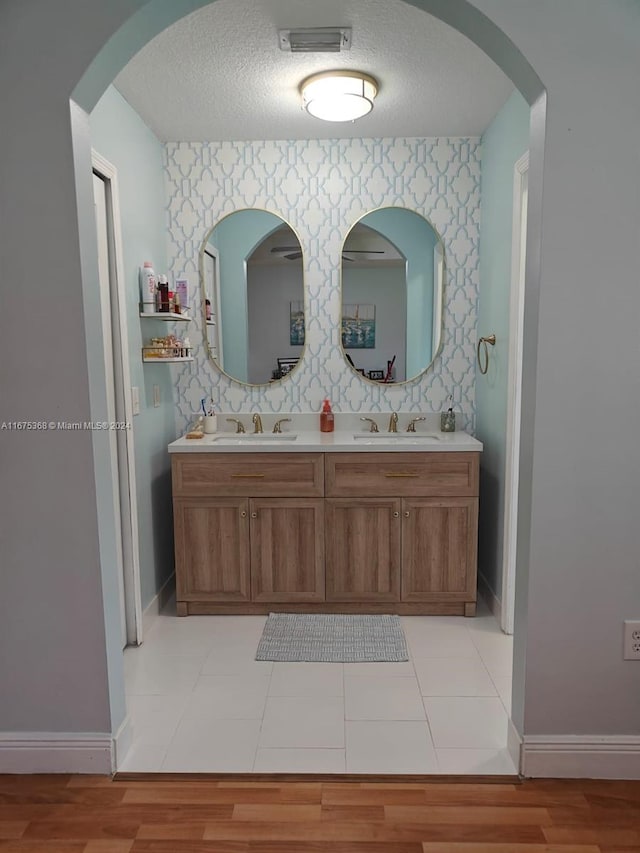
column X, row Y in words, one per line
column 341, row 523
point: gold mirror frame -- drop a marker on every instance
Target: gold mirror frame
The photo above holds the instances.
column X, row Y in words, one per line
column 440, row 307
column 203, row 296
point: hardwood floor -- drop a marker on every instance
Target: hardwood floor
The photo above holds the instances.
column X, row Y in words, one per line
column 94, row 814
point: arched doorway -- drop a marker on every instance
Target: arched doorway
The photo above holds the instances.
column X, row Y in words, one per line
column 152, row 17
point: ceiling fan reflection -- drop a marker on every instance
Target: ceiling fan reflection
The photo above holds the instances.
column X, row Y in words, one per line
column 293, row 253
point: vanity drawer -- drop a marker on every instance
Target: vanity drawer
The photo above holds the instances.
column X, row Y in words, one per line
column 254, row 474
column 401, row 474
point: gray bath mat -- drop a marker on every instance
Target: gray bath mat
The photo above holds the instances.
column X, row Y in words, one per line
column 335, row 638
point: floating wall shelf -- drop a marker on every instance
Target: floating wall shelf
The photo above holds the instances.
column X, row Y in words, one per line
column 166, row 315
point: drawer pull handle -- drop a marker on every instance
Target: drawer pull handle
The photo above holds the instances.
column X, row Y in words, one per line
column 243, row 514
column 400, row 474
column 254, row 515
column 396, row 515
column 248, row 476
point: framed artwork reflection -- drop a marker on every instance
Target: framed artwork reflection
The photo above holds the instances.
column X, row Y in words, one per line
column 358, row 326
column 296, row 324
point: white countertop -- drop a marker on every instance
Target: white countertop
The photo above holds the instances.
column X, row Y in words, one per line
column 340, row 441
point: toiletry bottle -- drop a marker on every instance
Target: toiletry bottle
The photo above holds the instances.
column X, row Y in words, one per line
column 163, row 288
column 148, row 283
column 448, row 419
column 207, row 309
column 326, row 417
column 186, row 345
column 182, row 292
column 176, row 303
column 171, row 302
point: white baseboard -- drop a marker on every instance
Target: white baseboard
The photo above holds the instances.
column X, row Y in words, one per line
column 122, row 742
column 157, row 603
column 489, row 596
column 581, row 756
column 514, row 744
column 55, row 752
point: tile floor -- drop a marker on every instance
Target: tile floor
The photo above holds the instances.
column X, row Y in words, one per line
column 200, row 702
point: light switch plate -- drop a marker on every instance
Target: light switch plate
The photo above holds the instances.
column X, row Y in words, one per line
column 156, row 396
column 135, row 400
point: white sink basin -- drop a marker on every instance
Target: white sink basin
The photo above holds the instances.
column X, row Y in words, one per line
column 403, row 437
column 256, row 438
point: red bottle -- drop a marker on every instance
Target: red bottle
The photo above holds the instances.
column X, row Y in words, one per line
column 326, row 417
column 163, row 290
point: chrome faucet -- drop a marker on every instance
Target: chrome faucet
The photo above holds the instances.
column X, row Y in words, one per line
column 393, row 422
column 257, row 423
column 374, row 425
column 239, row 424
column 276, row 426
column 412, row 424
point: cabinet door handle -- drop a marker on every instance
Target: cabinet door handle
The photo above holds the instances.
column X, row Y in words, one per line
column 243, row 514
column 254, row 515
column 400, row 474
column 396, row 515
column 406, row 515
column 248, row 476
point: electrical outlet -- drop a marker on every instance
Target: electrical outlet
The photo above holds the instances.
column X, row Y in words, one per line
column 631, row 639
column 135, row 400
column 156, row 396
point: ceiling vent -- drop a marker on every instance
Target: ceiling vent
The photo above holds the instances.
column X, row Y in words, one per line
column 315, row 40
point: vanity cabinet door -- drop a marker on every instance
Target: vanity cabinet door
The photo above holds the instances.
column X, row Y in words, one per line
column 439, row 549
column 363, row 549
column 212, row 550
column 287, row 549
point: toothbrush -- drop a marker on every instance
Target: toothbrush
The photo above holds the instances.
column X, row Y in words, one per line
column 204, row 411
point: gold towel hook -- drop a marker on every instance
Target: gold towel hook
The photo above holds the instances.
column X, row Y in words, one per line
column 483, row 342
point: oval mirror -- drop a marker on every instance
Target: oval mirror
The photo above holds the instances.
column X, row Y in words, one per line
column 392, row 287
column 253, row 296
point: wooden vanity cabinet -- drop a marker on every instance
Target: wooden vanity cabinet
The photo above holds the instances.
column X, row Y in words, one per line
column 423, row 527
column 249, row 531
column 339, row 532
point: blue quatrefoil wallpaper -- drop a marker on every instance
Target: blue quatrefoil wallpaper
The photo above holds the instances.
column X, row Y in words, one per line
column 321, row 188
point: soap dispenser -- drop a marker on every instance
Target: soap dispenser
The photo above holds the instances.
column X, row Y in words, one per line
column 448, row 418
column 326, row 417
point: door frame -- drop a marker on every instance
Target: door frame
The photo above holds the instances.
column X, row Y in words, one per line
column 213, row 295
column 124, row 477
column 514, row 394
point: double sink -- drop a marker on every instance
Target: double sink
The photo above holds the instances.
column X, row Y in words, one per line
column 255, row 438
column 373, row 438
column 401, row 437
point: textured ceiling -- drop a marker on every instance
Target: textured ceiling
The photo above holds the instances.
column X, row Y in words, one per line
column 219, row 73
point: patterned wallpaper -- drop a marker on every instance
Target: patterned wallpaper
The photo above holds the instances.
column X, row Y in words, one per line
column 322, row 187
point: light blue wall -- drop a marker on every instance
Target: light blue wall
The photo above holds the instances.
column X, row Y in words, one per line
column 504, row 142
column 119, row 135
column 416, row 240
column 235, row 238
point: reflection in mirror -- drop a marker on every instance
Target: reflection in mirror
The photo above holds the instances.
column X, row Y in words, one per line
column 392, row 286
column 253, row 296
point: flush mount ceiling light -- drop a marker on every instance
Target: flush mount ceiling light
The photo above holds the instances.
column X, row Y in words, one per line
column 338, row 95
